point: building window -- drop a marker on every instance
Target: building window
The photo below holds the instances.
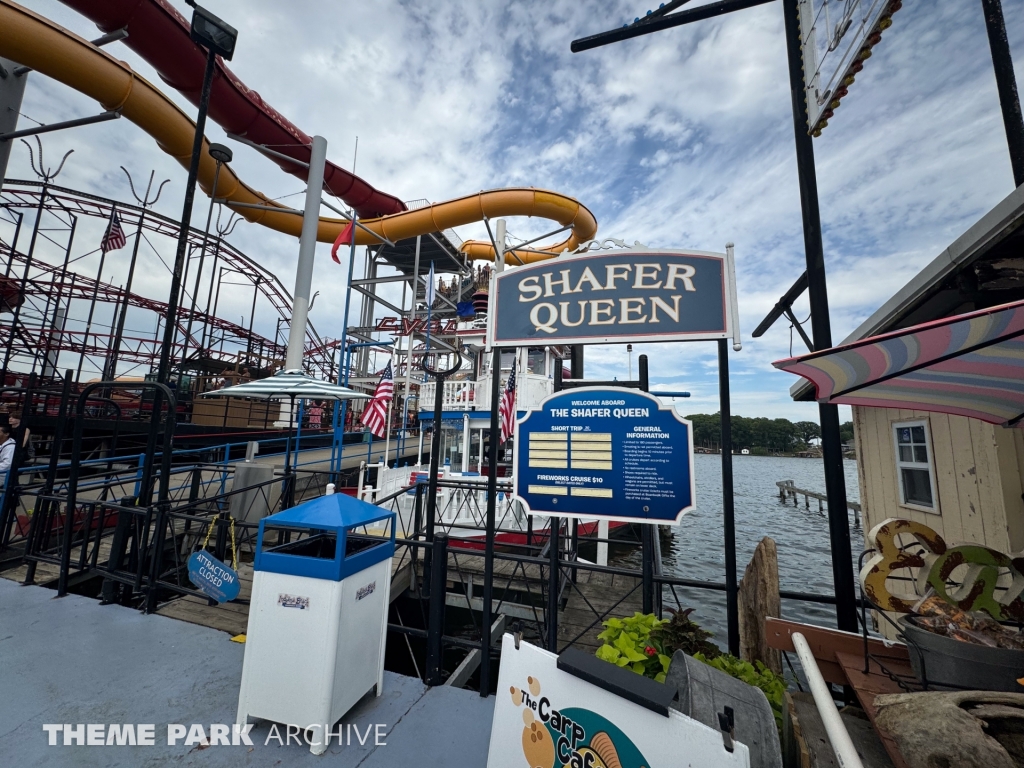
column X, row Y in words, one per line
column 914, row 465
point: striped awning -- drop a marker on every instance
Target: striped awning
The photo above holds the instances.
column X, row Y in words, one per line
column 968, row 365
column 291, row 384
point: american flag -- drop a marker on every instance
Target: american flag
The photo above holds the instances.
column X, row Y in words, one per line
column 375, row 417
column 507, row 412
column 114, row 237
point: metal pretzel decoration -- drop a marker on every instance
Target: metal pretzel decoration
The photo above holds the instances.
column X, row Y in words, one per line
column 144, row 201
column 46, row 174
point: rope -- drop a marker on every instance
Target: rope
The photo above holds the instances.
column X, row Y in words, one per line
column 234, row 548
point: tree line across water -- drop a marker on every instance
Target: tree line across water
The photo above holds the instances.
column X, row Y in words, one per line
column 759, row 434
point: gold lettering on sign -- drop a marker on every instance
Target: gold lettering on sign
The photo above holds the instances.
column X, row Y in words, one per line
column 646, row 272
column 673, row 311
column 588, row 276
column 616, row 272
column 545, row 325
column 564, row 315
column 629, row 307
column 600, row 308
column 549, row 284
column 683, row 272
column 529, row 284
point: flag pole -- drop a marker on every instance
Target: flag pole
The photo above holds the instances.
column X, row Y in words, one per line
column 429, row 296
column 387, row 432
column 104, row 247
column 341, row 413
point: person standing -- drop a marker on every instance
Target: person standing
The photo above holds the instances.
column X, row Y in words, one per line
column 7, row 450
column 316, row 413
column 24, row 451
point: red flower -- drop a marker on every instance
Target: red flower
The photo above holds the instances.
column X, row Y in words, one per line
column 650, row 650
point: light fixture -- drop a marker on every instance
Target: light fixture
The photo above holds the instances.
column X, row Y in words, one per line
column 213, row 33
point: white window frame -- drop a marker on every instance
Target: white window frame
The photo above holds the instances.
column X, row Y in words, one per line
column 929, row 465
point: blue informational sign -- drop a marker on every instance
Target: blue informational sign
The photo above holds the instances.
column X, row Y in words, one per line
column 631, row 295
column 606, row 452
column 213, row 577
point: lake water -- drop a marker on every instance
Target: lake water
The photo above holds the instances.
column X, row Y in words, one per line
column 805, row 560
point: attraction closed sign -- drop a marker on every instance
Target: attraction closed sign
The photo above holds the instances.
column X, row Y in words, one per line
column 626, row 295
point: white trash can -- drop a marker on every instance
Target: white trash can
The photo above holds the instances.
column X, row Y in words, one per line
column 318, row 614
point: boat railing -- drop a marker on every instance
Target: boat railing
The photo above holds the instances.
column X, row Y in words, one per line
column 534, row 575
column 468, row 395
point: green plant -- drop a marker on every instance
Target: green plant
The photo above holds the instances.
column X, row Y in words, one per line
column 631, row 643
column 645, row 644
column 681, row 633
column 757, row 674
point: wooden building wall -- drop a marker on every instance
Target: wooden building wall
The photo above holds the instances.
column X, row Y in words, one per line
column 978, row 469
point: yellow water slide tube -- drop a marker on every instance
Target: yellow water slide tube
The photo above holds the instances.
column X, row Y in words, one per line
column 37, row 42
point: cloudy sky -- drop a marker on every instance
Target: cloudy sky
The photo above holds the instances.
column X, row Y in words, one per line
column 679, row 139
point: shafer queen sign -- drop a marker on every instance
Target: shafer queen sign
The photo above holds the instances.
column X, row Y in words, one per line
column 634, row 294
column 606, row 452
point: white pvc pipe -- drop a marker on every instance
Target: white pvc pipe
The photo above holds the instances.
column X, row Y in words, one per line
column 840, row 739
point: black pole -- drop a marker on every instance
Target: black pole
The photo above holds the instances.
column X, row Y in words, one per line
column 57, row 303
column 1006, row 84
column 728, row 509
column 24, row 279
column 831, row 443
column 648, row 541
column 492, row 500
column 647, row 544
column 435, row 457
column 170, row 318
column 576, row 362
column 553, row 582
column 209, row 298
column 435, row 624
column 115, row 345
column 252, row 318
column 92, row 306
column 14, row 242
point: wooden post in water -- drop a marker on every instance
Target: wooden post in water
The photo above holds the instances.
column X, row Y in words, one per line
column 758, row 599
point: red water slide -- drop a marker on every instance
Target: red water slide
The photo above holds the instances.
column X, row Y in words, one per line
column 160, row 35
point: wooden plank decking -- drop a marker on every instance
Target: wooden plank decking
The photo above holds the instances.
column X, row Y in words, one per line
column 233, row 617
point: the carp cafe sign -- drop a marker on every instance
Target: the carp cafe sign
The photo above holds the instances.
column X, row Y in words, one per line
column 627, row 295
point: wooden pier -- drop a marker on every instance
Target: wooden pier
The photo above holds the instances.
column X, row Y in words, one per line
column 788, row 490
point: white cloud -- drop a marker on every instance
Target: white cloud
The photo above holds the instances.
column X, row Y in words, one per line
column 683, row 138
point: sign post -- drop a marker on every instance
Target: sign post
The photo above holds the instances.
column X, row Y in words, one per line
column 609, row 452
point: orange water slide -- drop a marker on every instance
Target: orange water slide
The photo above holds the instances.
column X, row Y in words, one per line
column 49, row 49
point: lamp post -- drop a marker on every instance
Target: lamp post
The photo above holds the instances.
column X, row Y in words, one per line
column 218, row 38
column 222, row 155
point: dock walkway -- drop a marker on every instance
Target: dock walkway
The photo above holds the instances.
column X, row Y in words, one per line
column 788, row 490
column 133, row 668
column 233, row 617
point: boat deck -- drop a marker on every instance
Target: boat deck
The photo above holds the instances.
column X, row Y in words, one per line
column 233, row 617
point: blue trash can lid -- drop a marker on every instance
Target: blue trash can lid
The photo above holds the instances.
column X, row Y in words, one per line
column 335, row 512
